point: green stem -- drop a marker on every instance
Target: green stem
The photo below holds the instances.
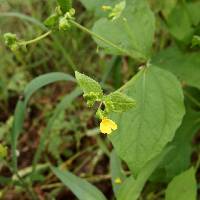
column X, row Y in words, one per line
column 26, row 187
column 36, row 39
column 101, row 38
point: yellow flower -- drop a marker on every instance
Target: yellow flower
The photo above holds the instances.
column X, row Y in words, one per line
column 118, row 181
column 107, row 125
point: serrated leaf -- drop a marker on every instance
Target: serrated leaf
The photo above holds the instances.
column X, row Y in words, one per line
column 87, row 84
column 133, row 31
column 144, row 130
column 80, row 187
column 184, row 65
column 119, row 101
column 182, row 187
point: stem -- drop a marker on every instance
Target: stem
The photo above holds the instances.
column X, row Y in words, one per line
column 101, row 38
column 25, row 186
column 36, row 39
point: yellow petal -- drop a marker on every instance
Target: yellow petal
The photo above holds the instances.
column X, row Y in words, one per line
column 113, row 125
column 104, row 128
column 107, row 125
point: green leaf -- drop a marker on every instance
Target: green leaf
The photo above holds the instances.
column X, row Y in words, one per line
column 80, row 187
column 88, row 85
column 144, row 130
column 65, row 5
column 183, row 187
column 96, row 6
column 118, row 102
column 116, row 172
column 167, row 6
column 196, row 40
column 184, row 65
column 184, row 31
column 52, row 21
column 133, row 31
column 20, row 109
column 131, row 188
column 178, row 160
column 193, row 9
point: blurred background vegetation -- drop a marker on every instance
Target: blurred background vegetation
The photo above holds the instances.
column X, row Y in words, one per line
column 74, row 141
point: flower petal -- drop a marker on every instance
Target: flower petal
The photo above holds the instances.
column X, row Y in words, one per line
column 107, row 125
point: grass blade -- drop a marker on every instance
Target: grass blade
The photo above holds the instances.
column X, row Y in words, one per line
column 20, row 110
column 80, row 187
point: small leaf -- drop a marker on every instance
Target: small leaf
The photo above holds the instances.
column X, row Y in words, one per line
column 88, row 85
column 51, row 21
column 182, row 187
column 65, row 5
column 80, row 187
column 118, row 102
column 196, row 40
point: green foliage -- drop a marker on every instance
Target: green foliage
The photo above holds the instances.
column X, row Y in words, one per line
column 182, row 187
column 114, row 102
column 118, row 102
column 20, row 109
column 65, row 5
column 97, row 6
column 183, row 64
column 131, row 188
column 60, row 21
column 178, row 160
column 55, row 139
column 186, row 15
column 158, row 114
column 138, row 25
column 153, row 139
column 92, row 89
column 196, row 40
column 81, row 188
column 117, row 172
column 52, row 21
column 184, row 30
column 3, row 151
column 11, row 41
column 88, row 85
column 167, row 6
